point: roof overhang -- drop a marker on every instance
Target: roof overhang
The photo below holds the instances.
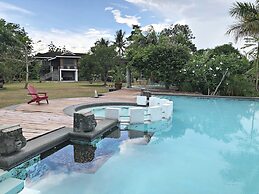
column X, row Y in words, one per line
column 71, row 57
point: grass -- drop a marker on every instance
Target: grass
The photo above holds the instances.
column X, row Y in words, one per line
column 14, row 93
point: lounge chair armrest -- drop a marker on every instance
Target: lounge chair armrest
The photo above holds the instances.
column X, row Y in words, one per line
column 32, row 94
column 44, row 93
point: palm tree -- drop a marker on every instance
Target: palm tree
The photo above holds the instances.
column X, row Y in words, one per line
column 120, row 42
column 247, row 26
column 102, row 42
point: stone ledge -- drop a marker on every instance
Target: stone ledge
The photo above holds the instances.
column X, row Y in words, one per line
column 43, row 143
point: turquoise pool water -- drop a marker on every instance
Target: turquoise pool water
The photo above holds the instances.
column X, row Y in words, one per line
column 99, row 111
column 211, row 146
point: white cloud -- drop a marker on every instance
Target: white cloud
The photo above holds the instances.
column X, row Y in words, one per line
column 73, row 41
column 157, row 27
column 128, row 20
column 209, row 20
column 7, row 7
column 108, row 8
column 119, row 5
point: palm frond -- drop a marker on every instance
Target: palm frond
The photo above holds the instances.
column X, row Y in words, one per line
column 247, row 16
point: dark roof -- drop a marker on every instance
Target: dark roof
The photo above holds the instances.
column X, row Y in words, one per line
column 54, row 54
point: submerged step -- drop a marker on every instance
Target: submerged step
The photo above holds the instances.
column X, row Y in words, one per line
column 29, row 191
column 4, row 175
column 11, row 186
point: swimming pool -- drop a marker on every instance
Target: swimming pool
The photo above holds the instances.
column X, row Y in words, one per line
column 211, row 146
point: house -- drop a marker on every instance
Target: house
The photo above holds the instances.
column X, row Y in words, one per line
column 63, row 66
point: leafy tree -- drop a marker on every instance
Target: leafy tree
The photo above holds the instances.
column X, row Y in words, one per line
column 165, row 62
column 88, row 68
column 224, row 49
column 207, row 72
column 53, row 48
column 101, row 60
column 151, row 36
column 180, row 34
column 34, row 69
column 102, row 42
column 160, row 57
column 15, row 47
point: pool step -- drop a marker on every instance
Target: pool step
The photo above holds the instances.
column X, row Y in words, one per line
column 11, row 186
column 4, row 175
column 29, row 191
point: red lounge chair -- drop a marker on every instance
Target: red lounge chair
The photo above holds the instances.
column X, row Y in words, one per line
column 35, row 95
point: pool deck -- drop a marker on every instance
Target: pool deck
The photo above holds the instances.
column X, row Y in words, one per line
column 37, row 120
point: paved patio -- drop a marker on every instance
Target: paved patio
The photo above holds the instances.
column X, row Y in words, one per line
column 37, row 120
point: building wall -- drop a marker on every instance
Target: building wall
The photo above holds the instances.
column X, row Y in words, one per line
column 55, row 75
column 68, row 63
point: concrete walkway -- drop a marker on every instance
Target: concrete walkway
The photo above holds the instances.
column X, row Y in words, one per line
column 37, row 120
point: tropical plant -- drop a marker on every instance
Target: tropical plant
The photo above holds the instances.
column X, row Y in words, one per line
column 210, row 72
column 120, row 42
column 247, row 26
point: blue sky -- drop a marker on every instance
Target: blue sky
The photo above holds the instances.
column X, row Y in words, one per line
column 77, row 24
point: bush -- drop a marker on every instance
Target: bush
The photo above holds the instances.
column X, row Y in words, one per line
column 186, row 87
column 239, row 85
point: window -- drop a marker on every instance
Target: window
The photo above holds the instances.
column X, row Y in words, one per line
column 69, row 62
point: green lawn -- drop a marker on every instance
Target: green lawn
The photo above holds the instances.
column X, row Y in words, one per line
column 14, row 93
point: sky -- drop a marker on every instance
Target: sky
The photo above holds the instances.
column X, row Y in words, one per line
column 77, row 24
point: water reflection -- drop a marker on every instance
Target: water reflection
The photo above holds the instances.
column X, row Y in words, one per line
column 78, row 156
column 218, row 118
column 84, row 153
column 243, row 169
column 236, row 123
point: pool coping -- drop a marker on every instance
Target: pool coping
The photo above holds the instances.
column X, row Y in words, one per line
column 205, row 96
column 70, row 110
column 45, row 142
column 48, row 141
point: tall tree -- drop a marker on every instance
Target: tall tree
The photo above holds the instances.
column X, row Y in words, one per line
column 160, row 57
column 247, row 25
column 53, row 48
column 104, row 57
column 120, row 42
column 180, row 34
column 102, row 42
column 88, row 68
column 15, row 47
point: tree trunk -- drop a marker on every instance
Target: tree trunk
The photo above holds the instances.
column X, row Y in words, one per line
column 222, row 79
column 167, row 85
column 27, row 68
column 256, row 68
column 105, row 80
column 128, row 73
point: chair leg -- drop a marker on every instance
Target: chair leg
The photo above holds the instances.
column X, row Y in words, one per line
column 38, row 102
column 30, row 101
column 47, row 101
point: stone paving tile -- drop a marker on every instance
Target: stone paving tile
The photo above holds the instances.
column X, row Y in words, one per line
column 39, row 119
